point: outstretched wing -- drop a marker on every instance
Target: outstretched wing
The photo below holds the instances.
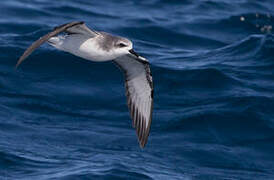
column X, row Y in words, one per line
column 73, row 27
column 139, row 92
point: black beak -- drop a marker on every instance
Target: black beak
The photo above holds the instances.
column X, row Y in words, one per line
column 134, row 53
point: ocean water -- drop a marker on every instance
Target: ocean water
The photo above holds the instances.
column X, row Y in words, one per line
column 212, row 61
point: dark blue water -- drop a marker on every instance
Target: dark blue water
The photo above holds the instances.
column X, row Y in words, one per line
column 212, row 61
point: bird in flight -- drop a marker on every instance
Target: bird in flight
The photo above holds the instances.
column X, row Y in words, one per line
column 79, row 40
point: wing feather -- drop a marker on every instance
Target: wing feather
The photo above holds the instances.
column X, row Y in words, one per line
column 139, row 92
column 72, row 27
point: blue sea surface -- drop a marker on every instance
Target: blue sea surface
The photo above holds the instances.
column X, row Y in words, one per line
column 62, row 117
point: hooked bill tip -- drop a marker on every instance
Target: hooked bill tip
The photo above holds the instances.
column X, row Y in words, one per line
column 134, row 53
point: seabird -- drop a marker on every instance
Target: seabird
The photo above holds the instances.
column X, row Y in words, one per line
column 78, row 39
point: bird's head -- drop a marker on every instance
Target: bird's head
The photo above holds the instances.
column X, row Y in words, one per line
column 123, row 46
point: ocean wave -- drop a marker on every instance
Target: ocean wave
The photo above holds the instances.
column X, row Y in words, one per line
column 62, row 117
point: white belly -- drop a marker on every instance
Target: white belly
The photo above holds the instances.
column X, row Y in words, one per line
column 81, row 46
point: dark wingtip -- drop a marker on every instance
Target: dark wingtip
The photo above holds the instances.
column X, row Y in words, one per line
column 142, row 146
column 143, row 142
column 21, row 59
column 16, row 66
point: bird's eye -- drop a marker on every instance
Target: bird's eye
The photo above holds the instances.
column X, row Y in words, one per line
column 122, row 45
